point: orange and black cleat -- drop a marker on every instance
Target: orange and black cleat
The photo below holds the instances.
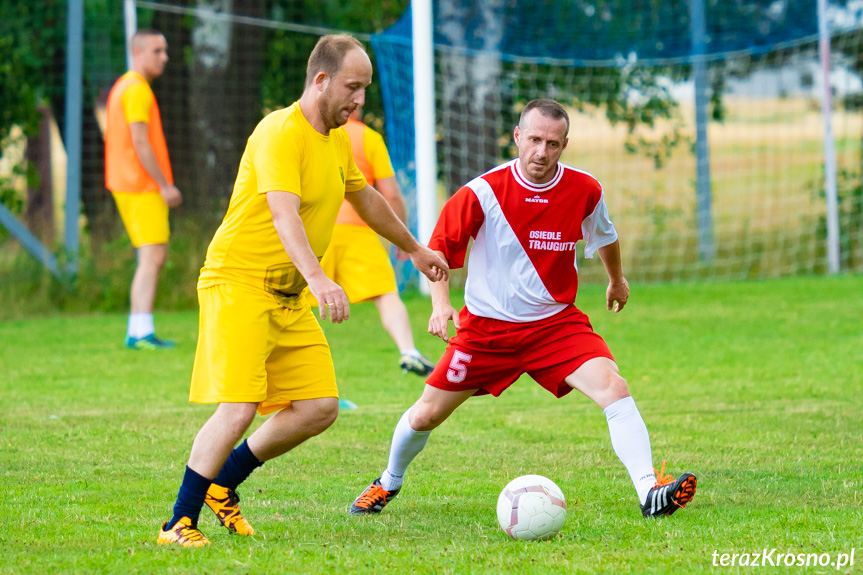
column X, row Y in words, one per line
column 184, row 532
column 373, row 499
column 668, row 495
column 225, row 503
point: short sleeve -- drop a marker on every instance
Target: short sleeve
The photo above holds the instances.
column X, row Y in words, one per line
column 378, row 155
column 597, row 229
column 278, row 163
column 460, row 220
column 138, row 100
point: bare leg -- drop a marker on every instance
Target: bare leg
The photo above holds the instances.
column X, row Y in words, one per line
column 394, row 317
column 434, row 406
column 599, row 379
column 217, row 437
column 293, row 425
column 151, row 259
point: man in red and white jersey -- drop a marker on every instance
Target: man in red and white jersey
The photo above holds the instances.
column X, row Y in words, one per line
column 526, row 217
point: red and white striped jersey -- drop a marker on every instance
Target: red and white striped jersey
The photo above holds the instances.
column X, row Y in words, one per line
column 522, row 265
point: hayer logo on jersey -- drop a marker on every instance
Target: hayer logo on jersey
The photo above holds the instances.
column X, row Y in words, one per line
column 548, row 241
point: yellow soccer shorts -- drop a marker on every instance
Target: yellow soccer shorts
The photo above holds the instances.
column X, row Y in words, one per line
column 357, row 261
column 252, row 349
column 145, row 216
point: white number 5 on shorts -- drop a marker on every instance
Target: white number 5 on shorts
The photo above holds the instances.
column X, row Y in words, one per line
column 457, row 369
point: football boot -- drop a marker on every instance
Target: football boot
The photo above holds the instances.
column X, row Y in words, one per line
column 373, row 499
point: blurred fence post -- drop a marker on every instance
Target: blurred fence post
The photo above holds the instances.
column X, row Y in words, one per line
column 130, row 25
column 73, row 105
column 424, row 122
column 833, row 261
column 703, row 188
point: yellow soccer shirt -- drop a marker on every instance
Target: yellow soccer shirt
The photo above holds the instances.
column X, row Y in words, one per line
column 286, row 154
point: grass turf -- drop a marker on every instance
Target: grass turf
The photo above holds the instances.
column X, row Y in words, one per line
column 755, row 387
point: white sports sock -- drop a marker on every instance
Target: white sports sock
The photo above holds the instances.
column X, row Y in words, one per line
column 631, row 443
column 413, row 352
column 140, row 325
column 406, row 445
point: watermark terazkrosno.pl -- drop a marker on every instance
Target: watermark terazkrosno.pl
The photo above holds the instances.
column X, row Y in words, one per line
column 775, row 558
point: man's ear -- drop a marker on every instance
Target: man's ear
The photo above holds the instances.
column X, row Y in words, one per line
column 321, row 81
column 516, row 134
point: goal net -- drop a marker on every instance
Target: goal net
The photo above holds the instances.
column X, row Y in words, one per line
column 628, row 79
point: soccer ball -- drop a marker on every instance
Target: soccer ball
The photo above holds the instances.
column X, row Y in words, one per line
column 531, row 507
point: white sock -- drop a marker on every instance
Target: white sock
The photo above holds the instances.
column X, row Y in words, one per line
column 140, row 325
column 406, row 445
column 413, row 352
column 631, row 443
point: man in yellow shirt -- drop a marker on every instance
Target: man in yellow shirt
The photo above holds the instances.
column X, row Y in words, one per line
column 259, row 345
column 358, row 262
column 138, row 173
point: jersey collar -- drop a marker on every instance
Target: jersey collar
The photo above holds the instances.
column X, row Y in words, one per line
column 538, row 188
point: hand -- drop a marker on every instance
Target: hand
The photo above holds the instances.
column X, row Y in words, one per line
column 440, row 318
column 429, row 264
column 171, row 195
column 331, row 297
column 617, row 295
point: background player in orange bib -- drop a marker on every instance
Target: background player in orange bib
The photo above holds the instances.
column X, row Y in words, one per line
column 138, row 173
column 358, row 262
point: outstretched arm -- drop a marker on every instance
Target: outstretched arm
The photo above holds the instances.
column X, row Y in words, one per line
column 618, row 288
column 374, row 210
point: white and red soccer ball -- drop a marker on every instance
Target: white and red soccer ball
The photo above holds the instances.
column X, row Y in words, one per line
column 531, row 507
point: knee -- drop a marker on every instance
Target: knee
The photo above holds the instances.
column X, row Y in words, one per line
column 322, row 417
column 153, row 257
column 615, row 387
column 236, row 418
column 159, row 259
column 425, row 418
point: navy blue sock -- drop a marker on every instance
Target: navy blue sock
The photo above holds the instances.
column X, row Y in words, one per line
column 190, row 499
column 240, row 464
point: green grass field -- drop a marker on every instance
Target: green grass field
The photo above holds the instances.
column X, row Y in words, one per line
column 755, row 387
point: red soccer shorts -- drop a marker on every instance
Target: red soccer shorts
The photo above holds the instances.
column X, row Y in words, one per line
column 491, row 354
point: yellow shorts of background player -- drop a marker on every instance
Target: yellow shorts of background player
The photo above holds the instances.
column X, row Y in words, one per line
column 252, row 349
column 145, row 216
column 357, row 261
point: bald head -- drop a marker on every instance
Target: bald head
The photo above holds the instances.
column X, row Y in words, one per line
column 329, row 54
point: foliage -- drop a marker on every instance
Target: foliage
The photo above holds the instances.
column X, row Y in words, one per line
column 31, row 34
column 104, row 276
column 287, row 52
column 849, row 197
column 96, row 439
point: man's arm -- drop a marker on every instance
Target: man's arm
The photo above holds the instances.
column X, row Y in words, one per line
column 374, row 210
column 618, row 287
column 141, row 141
column 442, row 309
column 285, row 208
